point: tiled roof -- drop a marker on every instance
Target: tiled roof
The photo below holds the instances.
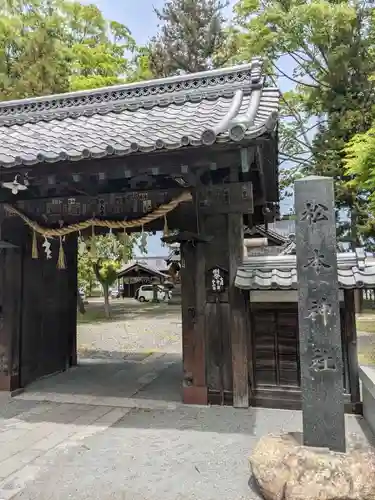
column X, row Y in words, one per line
column 278, row 272
column 139, row 265
column 284, row 228
column 223, row 105
column 281, row 232
column 159, row 263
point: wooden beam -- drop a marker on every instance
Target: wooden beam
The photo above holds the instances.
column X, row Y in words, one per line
column 238, row 310
column 188, row 309
column 350, row 333
column 71, row 252
column 162, row 163
column 199, row 371
column 114, row 205
column 236, row 197
column 262, row 180
column 193, row 322
column 186, row 236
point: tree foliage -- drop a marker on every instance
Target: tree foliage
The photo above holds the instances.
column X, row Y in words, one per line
column 192, row 37
column 86, row 276
column 53, row 46
column 101, row 257
column 323, row 51
column 360, row 167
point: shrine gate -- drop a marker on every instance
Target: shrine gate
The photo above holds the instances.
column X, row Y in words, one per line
column 194, row 153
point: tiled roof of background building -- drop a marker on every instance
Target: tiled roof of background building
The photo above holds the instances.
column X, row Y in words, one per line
column 279, row 272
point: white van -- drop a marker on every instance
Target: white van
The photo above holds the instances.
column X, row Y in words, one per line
column 145, row 293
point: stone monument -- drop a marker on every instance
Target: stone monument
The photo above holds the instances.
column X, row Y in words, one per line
column 319, row 315
column 312, row 466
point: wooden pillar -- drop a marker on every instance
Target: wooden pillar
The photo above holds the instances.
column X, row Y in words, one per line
column 238, row 310
column 10, row 316
column 221, row 311
column 239, row 315
column 193, row 326
column 358, row 300
column 72, row 277
column 350, row 330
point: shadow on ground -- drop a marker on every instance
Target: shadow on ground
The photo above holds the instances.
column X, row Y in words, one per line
column 127, row 309
column 156, row 376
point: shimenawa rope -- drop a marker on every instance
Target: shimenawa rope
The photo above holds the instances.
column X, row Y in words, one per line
column 161, row 211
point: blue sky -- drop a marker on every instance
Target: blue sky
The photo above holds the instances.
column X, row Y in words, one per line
column 137, row 15
column 140, row 18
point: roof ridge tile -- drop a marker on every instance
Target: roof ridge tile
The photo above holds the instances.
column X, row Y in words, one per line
column 162, row 92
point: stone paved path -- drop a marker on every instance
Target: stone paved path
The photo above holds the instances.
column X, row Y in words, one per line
column 57, row 451
column 115, row 428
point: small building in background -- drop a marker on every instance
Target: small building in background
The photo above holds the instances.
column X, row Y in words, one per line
column 141, row 271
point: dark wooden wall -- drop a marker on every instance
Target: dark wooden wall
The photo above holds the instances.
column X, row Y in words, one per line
column 10, row 306
column 48, row 306
column 274, row 363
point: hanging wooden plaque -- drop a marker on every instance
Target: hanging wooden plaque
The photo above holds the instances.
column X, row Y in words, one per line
column 236, row 197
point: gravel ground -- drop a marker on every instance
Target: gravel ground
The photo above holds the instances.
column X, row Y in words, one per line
column 185, row 454
column 135, row 328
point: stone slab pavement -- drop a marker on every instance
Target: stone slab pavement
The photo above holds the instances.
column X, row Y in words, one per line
column 57, row 451
column 115, row 427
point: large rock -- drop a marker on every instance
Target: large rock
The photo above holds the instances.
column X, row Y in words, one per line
column 285, row 470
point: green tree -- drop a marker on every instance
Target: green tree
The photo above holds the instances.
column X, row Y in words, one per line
column 53, row 46
column 101, row 257
column 360, row 168
column 86, row 275
column 106, row 273
column 192, row 37
column 329, row 47
column 140, row 67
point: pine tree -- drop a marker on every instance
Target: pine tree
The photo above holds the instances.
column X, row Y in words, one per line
column 192, row 37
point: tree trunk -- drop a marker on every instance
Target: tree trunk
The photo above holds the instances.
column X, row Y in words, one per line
column 81, row 305
column 105, row 286
column 107, row 307
column 155, row 293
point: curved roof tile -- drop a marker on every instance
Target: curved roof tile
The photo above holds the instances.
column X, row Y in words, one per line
column 190, row 110
column 278, row 272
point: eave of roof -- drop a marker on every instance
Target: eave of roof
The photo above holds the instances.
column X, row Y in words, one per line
column 125, row 270
column 278, row 272
column 268, row 233
column 226, row 105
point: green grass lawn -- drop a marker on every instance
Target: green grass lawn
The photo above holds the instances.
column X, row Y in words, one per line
column 366, row 325
column 366, row 338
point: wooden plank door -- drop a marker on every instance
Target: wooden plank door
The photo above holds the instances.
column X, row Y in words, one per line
column 275, row 347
